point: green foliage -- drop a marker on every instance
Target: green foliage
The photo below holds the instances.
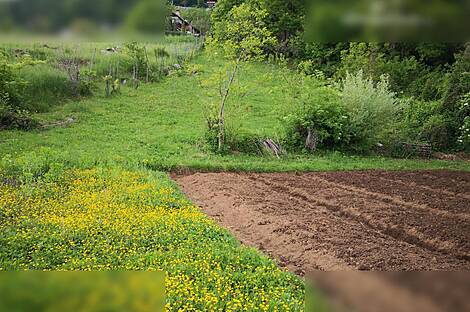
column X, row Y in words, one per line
column 160, row 126
column 424, row 122
column 137, row 59
column 11, row 118
column 237, row 141
column 223, row 8
column 428, row 85
column 161, row 52
column 12, row 87
column 148, row 17
column 324, row 57
column 437, row 131
column 416, row 118
column 316, row 107
column 87, row 82
column 283, row 19
column 244, row 32
column 361, row 56
column 372, row 109
column 402, row 74
column 457, row 84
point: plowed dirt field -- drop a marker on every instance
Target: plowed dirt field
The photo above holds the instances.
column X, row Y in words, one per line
column 344, row 221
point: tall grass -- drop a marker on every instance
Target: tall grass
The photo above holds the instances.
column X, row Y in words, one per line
column 48, row 85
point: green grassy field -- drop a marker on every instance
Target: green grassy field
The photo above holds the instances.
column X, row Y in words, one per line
column 161, row 126
column 48, row 85
column 94, row 195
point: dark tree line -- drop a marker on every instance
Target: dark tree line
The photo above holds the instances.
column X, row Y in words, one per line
column 53, row 15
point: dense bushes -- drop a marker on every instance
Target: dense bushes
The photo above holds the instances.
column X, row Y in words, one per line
column 371, row 108
column 367, row 113
column 432, row 78
column 353, row 115
column 317, row 110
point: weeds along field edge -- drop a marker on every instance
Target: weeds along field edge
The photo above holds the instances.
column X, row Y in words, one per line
column 116, row 219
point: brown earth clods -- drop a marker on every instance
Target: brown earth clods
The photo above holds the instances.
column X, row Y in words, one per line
column 345, row 221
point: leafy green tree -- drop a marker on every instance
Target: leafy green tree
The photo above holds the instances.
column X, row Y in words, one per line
column 285, row 18
column 244, row 33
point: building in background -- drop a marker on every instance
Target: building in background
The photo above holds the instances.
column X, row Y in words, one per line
column 180, row 24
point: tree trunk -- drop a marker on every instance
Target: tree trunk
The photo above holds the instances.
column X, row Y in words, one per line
column 312, row 140
column 222, row 106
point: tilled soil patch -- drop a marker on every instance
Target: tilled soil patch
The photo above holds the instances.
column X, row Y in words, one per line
column 340, row 221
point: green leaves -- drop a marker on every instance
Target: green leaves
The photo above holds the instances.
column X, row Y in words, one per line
column 244, row 32
column 316, row 107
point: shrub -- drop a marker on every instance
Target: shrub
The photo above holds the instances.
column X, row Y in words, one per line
column 11, row 86
column 371, row 109
column 11, row 118
column 402, row 72
column 428, row 85
column 416, row 114
column 457, row 84
column 242, row 141
column 324, row 57
column 80, row 79
column 12, row 113
column 438, row 131
column 456, row 88
column 317, row 109
column 137, row 60
column 427, row 122
column 361, row 56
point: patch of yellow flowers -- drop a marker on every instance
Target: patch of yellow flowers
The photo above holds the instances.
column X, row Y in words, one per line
column 103, row 219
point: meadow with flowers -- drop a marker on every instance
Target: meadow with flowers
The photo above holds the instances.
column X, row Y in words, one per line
column 95, row 195
column 114, row 219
